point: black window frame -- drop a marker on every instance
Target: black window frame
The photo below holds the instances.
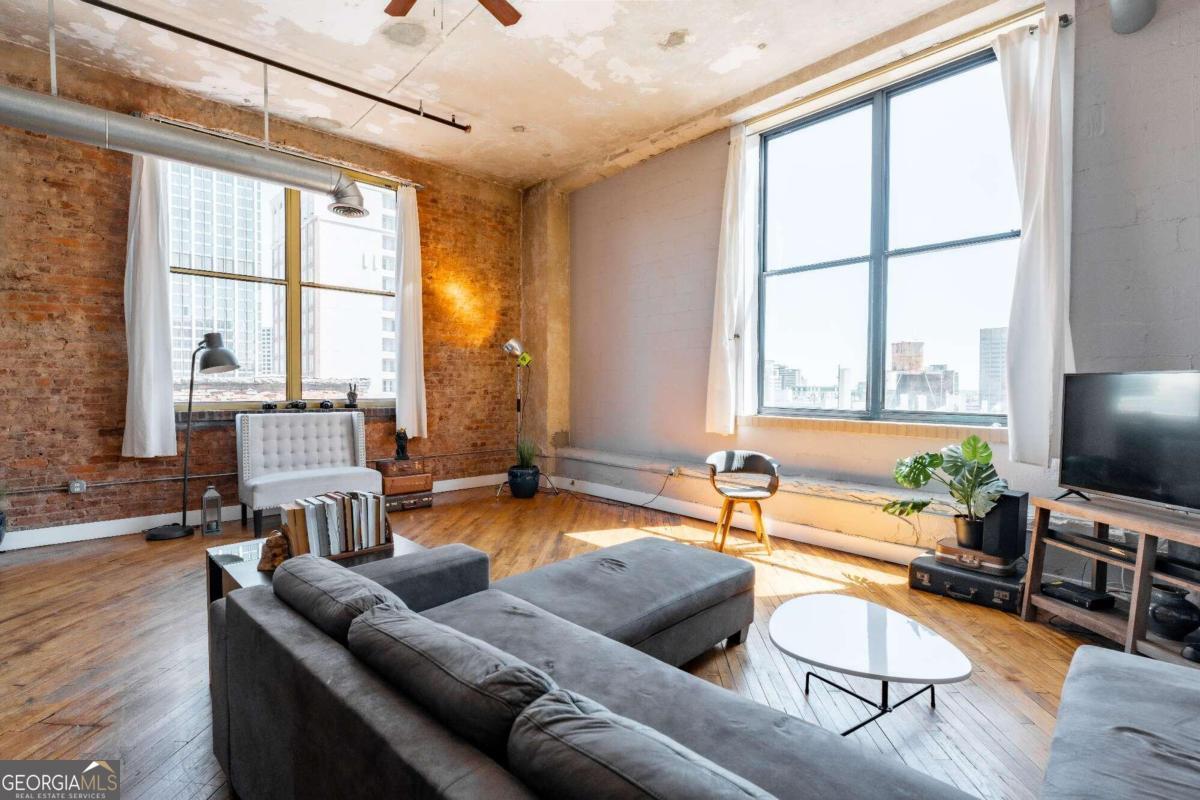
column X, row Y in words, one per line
column 877, row 259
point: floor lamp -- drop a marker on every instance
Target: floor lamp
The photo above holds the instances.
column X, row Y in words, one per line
column 214, row 357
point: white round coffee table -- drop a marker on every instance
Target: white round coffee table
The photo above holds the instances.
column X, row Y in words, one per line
column 857, row 637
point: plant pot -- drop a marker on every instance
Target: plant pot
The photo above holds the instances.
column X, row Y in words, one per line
column 968, row 532
column 523, row 481
column 1171, row 615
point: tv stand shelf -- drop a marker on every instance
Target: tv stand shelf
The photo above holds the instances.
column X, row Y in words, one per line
column 1127, row 629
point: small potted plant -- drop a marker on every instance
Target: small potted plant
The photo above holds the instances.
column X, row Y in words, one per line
column 523, row 476
column 966, row 470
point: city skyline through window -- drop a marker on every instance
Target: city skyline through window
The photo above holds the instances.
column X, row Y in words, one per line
column 890, row 236
column 228, row 246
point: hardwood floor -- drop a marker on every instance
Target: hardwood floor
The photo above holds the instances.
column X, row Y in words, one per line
column 103, row 648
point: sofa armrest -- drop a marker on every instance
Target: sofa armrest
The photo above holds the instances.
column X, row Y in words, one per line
column 218, row 686
column 432, row 577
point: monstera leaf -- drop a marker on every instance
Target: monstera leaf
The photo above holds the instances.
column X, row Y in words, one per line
column 965, row 469
column 916, row 471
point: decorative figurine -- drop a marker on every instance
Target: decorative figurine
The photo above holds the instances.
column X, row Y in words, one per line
column 402, row 445
column 326, row 404
column 352, row 396
column 269, row 406
column 299, row 405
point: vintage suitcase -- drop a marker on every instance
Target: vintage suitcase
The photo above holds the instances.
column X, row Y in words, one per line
column 949, row 552
column 409, row 501
column 1002, row 592
column 407, row 484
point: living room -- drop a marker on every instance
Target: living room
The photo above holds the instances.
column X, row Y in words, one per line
column 598, row 398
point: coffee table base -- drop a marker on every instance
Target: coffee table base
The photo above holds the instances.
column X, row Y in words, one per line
column 882, row 705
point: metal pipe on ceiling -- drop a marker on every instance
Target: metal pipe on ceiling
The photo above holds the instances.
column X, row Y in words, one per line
column 99, row 127
column 228, row 48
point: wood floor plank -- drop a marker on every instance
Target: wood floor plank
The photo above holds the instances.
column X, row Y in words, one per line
column 103, row 648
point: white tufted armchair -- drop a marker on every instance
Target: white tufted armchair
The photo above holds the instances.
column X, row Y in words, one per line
column 283, row 457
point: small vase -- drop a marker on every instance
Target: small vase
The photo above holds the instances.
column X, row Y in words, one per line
column 523, row 481
column 968, row 532
column 1171, row 615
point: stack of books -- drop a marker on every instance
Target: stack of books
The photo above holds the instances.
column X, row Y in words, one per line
column 335, row 523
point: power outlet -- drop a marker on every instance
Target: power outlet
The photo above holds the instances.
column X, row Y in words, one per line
column 77, row 486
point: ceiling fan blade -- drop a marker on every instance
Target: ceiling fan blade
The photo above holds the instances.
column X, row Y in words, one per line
column 398, row 8
column 502, row 10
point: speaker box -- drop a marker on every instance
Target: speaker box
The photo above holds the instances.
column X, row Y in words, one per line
column 1005, row 527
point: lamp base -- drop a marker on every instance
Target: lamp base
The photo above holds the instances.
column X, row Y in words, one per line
column 164, row 532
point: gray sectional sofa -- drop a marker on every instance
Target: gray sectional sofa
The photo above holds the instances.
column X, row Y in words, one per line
column 355, row 683
column 298, row 714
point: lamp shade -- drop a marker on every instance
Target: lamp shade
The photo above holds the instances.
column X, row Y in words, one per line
column 215, row 356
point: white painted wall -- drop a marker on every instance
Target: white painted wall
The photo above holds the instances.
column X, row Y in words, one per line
column 1135, row 290
column 644, row 246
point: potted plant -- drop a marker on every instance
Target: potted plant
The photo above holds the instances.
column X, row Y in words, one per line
column 523, row 476
column 966, row 470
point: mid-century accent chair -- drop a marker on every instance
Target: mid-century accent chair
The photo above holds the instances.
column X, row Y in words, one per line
column 742, row 462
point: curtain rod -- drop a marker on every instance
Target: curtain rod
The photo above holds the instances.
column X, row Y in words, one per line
column 927, row 52
column 291, row 151
column 166, row 26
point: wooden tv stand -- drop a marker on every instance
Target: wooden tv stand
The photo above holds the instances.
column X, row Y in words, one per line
column 1151, row 524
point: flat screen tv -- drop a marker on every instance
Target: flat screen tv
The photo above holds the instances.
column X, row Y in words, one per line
column 1134, row 435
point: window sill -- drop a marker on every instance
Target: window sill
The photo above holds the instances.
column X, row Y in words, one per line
column 923, row 430
column 222, row 414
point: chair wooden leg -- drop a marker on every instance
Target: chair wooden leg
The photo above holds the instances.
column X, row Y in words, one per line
column 759, row 528
column 728, row 524
column 721, row 520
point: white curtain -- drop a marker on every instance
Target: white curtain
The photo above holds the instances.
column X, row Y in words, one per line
column 149, row 407
column 734, row 305
column 1037, row 71
column 410, row 360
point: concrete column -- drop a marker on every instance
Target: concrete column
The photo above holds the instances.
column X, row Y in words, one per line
column 546, row 316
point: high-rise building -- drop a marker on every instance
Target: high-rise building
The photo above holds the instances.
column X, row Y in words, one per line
column 215, row 224
column 993, row 370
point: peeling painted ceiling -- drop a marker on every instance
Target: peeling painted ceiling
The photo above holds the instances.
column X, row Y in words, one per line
column 573, row 81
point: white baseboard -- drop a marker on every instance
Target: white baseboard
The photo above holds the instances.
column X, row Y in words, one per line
column 83, row 531
column 454, row 484
column 858, row 545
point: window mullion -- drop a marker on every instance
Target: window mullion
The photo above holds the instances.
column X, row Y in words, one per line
column 877, row 312
column 291, row 274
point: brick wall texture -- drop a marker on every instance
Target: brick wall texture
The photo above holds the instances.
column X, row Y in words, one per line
column 63, row 214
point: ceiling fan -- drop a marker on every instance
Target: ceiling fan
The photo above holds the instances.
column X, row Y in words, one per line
column 502, row 10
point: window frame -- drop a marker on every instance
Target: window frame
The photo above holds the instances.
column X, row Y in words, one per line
column 876, row 259
column 293, row 286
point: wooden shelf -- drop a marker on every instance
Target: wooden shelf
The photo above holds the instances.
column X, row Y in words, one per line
column 1163, row 649
column 1111, row 623
column 1127, row 629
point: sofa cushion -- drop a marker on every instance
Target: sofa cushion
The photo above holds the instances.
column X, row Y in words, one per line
column 475, row 689
column 1128, row 729
column 782, row 754
column 326, row 594
column 631, row 591
column 567, row 746
column 276, row 488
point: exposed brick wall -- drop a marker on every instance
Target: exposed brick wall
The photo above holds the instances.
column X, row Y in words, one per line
column 63, row 214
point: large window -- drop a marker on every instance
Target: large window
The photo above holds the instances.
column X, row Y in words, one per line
column 248, row 258
column 889, row 230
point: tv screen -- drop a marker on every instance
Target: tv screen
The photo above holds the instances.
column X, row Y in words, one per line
column 1133, row 434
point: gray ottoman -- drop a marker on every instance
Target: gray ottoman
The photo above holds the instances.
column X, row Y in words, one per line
column 670, row 600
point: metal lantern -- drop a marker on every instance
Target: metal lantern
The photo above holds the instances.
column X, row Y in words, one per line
column 210, row 511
